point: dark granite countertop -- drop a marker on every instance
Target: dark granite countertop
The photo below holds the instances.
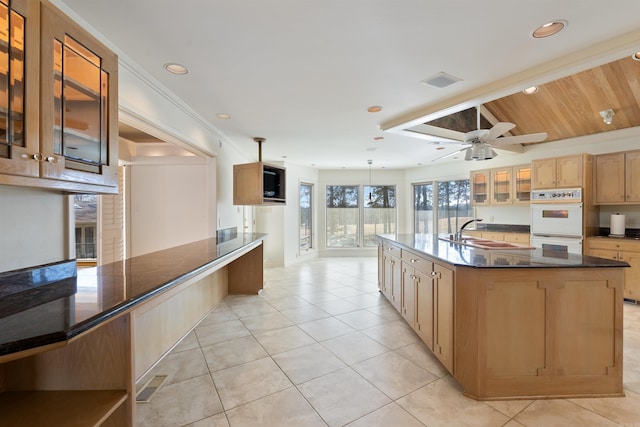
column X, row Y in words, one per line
column 52, row 303
column 465, row 256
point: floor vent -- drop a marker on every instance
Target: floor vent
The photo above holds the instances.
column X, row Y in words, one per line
column 150, row 388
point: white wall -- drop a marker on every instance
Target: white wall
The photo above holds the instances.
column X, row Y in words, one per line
column 168, row 203
column 33, row 227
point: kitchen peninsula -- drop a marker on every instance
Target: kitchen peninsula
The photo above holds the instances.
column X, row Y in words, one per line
column 73, row 344
column 509, row 324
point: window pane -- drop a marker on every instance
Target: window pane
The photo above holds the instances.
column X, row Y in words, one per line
column 423, row 208
column 454, row 208
column 306, row 220
column 342, row 216
column 379, row 212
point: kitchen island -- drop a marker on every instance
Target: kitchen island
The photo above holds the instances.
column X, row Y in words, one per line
column 510, row 323
column 73, row 343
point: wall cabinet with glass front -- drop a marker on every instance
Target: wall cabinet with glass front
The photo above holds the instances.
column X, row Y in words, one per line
column 501, row 186
column 480, row 187
column 63, row 134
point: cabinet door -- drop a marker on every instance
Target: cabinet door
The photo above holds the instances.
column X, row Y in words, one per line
column 521, row 184
column 569, row 171
column 631, row 275
column 632, row 176
column 424, row 308
column 19, row 100
column 610, row 178
column 78, row 103
column 443, row 315
column 480, row 187
column 543, row 173
column 603, row 253
column 380, row 267
column 388, row 275
column 501, row 186
column 407, row 300
column 396, row 283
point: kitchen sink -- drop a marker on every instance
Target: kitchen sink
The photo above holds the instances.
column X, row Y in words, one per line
column 480, row 243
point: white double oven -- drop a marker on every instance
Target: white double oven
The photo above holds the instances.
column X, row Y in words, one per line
column 557, row 219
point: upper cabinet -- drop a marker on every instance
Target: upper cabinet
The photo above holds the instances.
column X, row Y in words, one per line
column 64, row 135
column 510, row 185
column 480, row 187
column 618, row 178
column 560, row 172
column 259, row 183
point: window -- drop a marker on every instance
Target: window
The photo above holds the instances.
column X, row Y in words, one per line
column 423, row 208
column 85, row 207
column 379, row 212
column 343, row 212
column 454, row 207
column 452, row 199
column 306, row 218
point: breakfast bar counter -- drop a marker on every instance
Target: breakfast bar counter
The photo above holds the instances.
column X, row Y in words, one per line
column 510, row 323
column 73, row 343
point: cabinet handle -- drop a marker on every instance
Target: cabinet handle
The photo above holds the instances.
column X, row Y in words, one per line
column 37, row 157
column 415, row 260
column 52, row 159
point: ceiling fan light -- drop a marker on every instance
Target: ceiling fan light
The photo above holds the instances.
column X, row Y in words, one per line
column 467, row 154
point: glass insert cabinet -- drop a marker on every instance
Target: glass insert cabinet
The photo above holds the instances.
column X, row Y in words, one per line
column 58, row 106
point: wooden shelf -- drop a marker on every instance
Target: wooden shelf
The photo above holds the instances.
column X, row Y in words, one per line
column 56, row 408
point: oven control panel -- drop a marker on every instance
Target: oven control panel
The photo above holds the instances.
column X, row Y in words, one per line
column 560, row 195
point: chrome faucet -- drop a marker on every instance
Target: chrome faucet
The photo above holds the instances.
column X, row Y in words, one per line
column 459, row 233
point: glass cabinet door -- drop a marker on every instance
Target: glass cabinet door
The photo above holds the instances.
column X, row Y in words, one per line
column 18, row 127
column 501, row 180
column 522, row 184
column 79, row 133
column 480, row 187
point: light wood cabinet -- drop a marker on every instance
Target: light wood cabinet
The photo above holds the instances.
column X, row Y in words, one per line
column 621, row 250
column 501, row 186
column 392, row 275
column 617, row 178
column 423, row 324
column 480, row 187
column 443, row 315
column 64, row 134
column 259, row 183
column 559, row 172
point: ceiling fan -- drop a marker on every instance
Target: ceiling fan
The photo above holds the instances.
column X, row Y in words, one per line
column 479, row 143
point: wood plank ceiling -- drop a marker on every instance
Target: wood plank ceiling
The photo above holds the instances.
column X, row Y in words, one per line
column 568, row 107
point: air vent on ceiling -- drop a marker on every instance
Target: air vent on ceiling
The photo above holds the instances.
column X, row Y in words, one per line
column 441, row 80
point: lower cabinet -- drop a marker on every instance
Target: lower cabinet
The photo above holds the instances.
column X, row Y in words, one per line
column 621, row 250
column 423, row 293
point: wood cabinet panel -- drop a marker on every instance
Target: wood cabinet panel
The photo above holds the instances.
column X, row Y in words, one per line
column 632, row 177
column 424, row 308
column 443, row 290
column 408, row 290
column 480, row 187
column 621, row 250
column 609, row 180
column 508, row 185
column 515, row 325
column 558, row 172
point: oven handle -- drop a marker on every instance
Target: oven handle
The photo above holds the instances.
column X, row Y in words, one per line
column 564, row 236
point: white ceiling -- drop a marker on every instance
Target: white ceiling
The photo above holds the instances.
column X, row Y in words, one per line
column 302, row 73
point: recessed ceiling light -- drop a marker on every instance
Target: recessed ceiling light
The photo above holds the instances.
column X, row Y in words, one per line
column 378, row 138
column 223, row 116
column 439, row 148
column 530, row 90
column 549, row 29
column 636, row 56
column 374, row 109
column 174, row 68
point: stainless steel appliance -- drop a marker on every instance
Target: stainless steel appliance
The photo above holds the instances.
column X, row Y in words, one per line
column 557, row 219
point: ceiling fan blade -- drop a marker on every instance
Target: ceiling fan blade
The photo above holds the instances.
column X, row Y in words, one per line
column 450, row 154
column 520, row 139
column 498, row 129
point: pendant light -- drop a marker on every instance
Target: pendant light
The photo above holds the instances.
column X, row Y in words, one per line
column 370, row 195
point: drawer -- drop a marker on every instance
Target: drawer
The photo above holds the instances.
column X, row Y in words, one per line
column 391, row 249
column 492, row 235
column 517, row 237
column 417, row 261
column 613, row 244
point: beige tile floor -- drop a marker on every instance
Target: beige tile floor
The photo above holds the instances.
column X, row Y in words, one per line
column 318, row 347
